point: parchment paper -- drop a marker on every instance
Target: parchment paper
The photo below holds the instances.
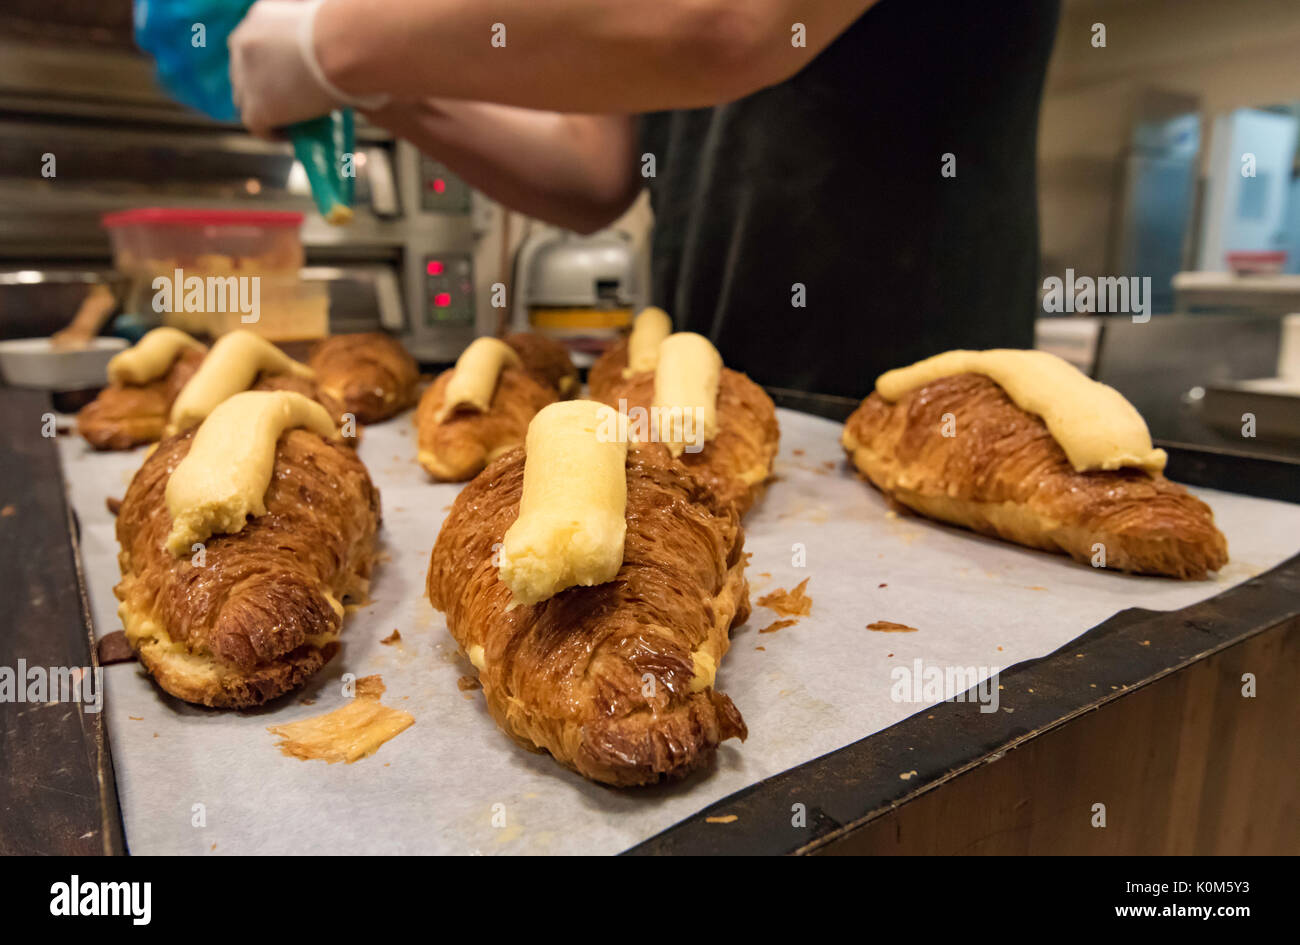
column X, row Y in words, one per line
column 804, row 690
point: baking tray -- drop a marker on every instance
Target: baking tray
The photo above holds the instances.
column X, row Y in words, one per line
column 810, row 691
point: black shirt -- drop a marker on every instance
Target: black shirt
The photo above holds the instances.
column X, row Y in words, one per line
column 833, row 180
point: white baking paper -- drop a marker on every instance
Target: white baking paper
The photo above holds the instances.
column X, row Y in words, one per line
column 199, row 781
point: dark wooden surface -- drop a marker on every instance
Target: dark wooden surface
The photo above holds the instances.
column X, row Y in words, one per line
column 848, row 790
column 1186, row 765
column 56, row 786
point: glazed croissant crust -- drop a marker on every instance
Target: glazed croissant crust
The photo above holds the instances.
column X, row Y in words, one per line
column 738, row 460
column 124, row 416
column 1003, row 474
column 458, row 447
column 616, row 680
column 370, row 375
column 262, row 611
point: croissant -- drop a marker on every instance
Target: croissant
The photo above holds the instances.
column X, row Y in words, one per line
column 1006, row 476
column 457, row 447
column 124, row 416
column 738, row 460
column 605, row 678
column 607, row 371
column 264, row 610
column 370, row 375
column 546, row 360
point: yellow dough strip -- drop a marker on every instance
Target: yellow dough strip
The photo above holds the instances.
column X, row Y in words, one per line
column 572, row 512
column 224, row 477
column 151, row 357
column 474, row 379
column 649, row 330
column 686, row 391
column 230, row 367
column 1093, row 423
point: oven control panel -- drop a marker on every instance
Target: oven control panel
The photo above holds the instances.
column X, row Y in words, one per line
column 441, row 191
column 448, row 289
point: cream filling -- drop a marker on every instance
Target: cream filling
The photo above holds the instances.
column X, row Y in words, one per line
column 572, row 511
column 474, row 379
column 224, row 477
column 649, row 330
column 151, row 357
column 686, row 391
column 1093, row 423
column 232, row 366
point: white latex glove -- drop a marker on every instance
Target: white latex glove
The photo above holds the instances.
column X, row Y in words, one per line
column 273, row 69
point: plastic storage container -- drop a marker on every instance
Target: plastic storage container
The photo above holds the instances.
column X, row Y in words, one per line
column 212, row 271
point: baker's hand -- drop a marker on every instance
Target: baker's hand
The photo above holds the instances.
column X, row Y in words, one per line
column 274, row 72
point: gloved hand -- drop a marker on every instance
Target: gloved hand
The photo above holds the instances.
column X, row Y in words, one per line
column 274, row 72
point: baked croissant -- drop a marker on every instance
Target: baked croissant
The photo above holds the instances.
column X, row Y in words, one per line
column 569, row 675
column 264, row 611
column 124, row 416
column 455, row 445
column 370, row 375
column 738, row 460
column 546, row 360
column 1005, row 475
column 607, row 371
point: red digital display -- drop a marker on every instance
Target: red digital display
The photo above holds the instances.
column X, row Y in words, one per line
column 434, row 268
column 439, row 185
column 442, row 299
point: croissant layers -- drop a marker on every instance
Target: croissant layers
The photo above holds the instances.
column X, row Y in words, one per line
column 1001, row 473
column 615, row 681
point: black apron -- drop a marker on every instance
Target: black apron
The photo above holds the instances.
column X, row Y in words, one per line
column 833, row 181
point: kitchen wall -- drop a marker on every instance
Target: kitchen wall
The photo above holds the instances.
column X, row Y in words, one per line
column 1159, row 53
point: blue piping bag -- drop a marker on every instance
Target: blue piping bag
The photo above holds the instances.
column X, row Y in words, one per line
column 187, row 40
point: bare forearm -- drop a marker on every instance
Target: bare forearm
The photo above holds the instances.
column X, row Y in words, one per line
column 577, row 171
column 573, row 55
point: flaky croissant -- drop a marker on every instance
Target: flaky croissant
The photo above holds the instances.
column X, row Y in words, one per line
column 261, row 611
column 1003, row 474
column 616, row 680
column 607, row 372
column 368, row 375
column 738, row 460
column 457, row 447
column 546, row 360
column 124, row 416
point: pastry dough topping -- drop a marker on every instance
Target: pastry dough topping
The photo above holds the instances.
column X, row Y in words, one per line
column 1093, row 423
column 151, row 357
column 474, row 380
column 686, row 391
column 651, row 327
column 572, row 510
column 225, row 476
column 232, row 366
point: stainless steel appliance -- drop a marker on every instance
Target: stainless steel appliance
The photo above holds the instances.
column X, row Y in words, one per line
column 84, row 132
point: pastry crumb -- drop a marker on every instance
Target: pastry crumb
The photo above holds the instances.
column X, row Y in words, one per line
column 888, row 626
column 467, row 683
column 394, row 637
column 349, row 733
column 792, row 603
column 776, row 625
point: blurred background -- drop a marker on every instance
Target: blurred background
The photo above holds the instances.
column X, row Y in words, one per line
column 1143, row 151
